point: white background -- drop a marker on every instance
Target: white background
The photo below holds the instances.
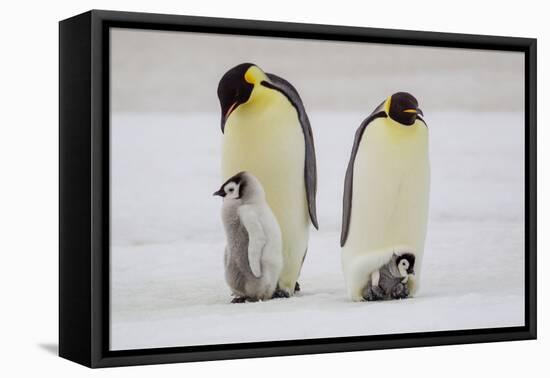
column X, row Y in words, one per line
column 28, row 207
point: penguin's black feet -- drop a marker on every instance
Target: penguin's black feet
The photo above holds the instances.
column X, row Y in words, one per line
column 373, row 293
column 238, row 300
column 280, row 293
column 244, row 299
column 297, row 287
column 400, row 291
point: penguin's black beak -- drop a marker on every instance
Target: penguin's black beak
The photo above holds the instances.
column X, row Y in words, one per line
column 411, row 271
column 220, row 193
column 229, row 111
column 415, row 111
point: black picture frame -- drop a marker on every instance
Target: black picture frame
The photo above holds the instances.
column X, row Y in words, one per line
column 84, row 188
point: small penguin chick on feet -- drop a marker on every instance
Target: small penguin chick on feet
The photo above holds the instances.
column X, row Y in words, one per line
column 391, row 280
column 253, row 258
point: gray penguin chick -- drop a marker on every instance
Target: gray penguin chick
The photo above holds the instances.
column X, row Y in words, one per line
column 253, row 255
column 390, row 281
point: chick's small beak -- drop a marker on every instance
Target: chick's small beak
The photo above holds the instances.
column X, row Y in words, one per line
column 411, row 271
column 220, row 193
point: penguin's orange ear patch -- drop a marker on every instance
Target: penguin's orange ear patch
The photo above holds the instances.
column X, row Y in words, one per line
column 387, row 105
column 254, row 75
column 248, row 77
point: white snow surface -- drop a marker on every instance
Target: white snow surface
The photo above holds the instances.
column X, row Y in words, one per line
column 167, row 241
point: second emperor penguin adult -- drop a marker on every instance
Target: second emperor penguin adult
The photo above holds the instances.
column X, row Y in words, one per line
column 386, row 192
column 267, row 133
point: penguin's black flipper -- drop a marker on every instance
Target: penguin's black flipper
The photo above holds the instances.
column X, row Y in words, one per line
column 310, row 170
column 348, row 183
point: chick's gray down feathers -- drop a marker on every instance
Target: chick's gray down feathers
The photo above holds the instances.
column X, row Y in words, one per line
column 391, row 284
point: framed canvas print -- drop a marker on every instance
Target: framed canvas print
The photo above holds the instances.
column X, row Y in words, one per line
column 234, row 188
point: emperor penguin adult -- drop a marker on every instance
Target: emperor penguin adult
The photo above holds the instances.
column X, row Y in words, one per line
column 386, row 192
column 266, row 132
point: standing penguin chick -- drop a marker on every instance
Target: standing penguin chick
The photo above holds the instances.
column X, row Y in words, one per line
column 391, row 280
column 253, row 255
column 386, row 192
column 267, row 133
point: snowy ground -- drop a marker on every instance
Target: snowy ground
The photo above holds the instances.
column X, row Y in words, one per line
column 167, row 239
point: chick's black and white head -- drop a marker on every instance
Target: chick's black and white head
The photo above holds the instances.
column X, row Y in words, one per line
column 405, row 264
column 403, row 107
column 242, row 186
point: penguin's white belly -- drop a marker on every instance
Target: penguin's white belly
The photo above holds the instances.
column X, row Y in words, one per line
column 267, row 140
column 389, row 213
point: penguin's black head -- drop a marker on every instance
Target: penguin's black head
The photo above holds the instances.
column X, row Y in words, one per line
column 402, row 107
column 406, row 260
column 234, row 187
column 234, row 89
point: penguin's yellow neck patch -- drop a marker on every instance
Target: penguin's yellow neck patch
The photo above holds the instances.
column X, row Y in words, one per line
column 254, row 75
column 387, row 105
column 263, row 98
